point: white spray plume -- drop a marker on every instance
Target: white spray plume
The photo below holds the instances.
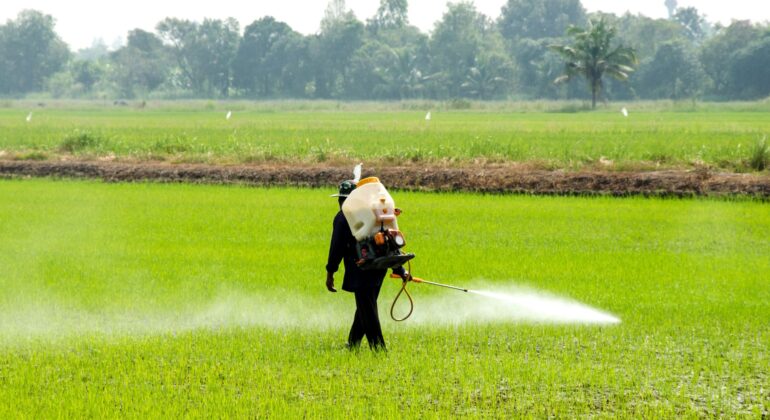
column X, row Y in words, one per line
column 357, row 172
column 229, row 114
column 492, row 303
column 489, row 303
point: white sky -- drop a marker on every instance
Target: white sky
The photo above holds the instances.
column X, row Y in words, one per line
column 79, row 22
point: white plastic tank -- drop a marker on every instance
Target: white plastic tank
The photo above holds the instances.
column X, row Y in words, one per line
column 368, row 208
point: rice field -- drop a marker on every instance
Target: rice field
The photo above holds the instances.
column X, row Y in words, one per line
column 147, row 300
column 652, row 136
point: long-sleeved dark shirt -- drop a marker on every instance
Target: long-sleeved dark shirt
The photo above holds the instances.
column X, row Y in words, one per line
column 343, row 247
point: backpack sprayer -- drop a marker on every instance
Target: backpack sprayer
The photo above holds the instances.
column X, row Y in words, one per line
column 372, row 216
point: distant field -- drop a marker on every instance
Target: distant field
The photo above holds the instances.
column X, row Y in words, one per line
column 134, row 300
column 542, row 135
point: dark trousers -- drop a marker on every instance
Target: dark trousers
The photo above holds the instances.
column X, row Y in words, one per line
column 367, row 319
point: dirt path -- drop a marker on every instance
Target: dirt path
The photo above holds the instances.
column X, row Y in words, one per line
column 496, row 179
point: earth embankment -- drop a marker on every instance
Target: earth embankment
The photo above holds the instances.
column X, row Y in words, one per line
column 489, row 179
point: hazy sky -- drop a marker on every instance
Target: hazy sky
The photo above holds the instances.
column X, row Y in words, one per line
column 79, row 22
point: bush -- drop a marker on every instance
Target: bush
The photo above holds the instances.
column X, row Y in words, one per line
column 31, row 156
column 79, row 141
column 459, row 103
column 760, row 155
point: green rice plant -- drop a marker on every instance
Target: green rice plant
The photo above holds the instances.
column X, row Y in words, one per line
column 318, row 132
column 149, row 300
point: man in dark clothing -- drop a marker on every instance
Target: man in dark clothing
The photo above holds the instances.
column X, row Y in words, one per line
column 364, row 284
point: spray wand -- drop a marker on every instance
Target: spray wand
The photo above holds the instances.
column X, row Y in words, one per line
column 406, row 279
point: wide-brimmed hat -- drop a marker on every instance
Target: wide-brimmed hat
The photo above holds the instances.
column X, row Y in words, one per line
column 346, row 187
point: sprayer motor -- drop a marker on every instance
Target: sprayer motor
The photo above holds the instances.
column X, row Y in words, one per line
column 382, row 250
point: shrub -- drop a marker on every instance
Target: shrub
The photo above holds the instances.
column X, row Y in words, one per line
column 79, row 141
column 760, row 155
column 31, row 156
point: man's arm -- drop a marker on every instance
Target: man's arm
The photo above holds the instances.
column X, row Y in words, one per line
column 336, row 252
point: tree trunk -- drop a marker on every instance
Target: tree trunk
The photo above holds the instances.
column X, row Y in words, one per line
column 593, row 97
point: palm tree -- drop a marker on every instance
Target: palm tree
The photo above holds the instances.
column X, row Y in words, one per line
column 489, row 77
column 592, row 57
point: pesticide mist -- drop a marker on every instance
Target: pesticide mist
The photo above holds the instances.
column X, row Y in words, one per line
column 485, row 303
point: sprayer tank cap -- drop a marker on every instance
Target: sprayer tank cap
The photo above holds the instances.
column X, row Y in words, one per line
column 369, row 180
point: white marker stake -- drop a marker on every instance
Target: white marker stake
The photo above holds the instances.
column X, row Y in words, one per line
column 624, row 111
column 357, row 173
column 29, row 117
column 427, row 116
column 229, row 114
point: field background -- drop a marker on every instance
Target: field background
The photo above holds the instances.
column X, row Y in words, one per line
column 546, row 135
column 171, row 300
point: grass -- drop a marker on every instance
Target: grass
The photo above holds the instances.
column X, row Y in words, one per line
column 652, row 137
column 138, row 300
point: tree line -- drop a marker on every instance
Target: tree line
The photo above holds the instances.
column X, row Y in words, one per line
column 517, row 55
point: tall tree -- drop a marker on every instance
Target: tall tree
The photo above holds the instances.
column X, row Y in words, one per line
column 459, row 39
column 86, row 73
column 645, row 34
column 594, row 55
column 749, row 69
column 96, row 51
column 336, row 11
column 332, row 49
column 489, row 78
column 268, row 56
column 141, row 66
column 204, row 52
column 536, row 19
column 30, row 52
column 392, row 14
column 404, row 73
column 718, row 54
column 673, row 72
column 692, row 22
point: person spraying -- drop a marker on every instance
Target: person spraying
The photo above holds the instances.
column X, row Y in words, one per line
column 365, row 236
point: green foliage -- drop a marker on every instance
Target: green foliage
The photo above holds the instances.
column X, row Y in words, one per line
column 718, row 53
column 332, row 51
column 30, row 52
column 392, row 14
column 760, row 155
column 270, row 59
column 204, row 52
column 142, row 300
column 79, row 141
column 86, row 73
column 466, row 55
column 36, row 155
column 141, row 66
column 593, row 55
column 490, row 77
column 673, row 72
column 749, row 69
column 538, row 19
column 692, row 22
column 645, row 34
column 458, row 45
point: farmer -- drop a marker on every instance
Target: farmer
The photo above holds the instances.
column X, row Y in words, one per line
column 364, row 284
